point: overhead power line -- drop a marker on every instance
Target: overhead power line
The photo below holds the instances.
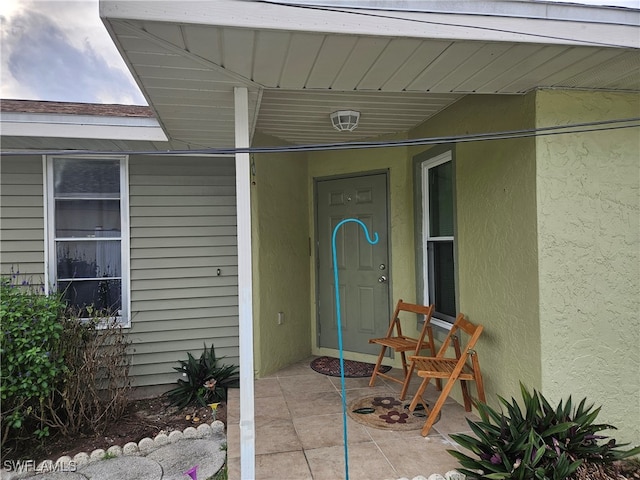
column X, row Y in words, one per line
column 575, row 128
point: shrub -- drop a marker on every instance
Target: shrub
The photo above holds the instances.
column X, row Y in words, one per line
column 60, row 374
column 94, row 390
column 539, row 443
column 30, row 345
column 206, row 382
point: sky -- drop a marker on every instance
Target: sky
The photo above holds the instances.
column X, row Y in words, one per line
column 60, row 51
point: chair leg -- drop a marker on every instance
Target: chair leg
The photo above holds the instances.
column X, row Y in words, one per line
column 433, row 414
column 417, row 398
column 404, row 363
column 433, row 353
column 465, row 395
column 407, row 380
column 479, row 381
column 372, row 382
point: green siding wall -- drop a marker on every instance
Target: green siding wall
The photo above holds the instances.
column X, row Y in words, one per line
column 183, row 228
column 22, row 216
column 589, row 249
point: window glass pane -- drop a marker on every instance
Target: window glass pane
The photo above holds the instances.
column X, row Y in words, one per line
column 104, row 295
column 442, row 281
column 441, row 200
column 90, row 259
column 87, row 218
column 77, row 177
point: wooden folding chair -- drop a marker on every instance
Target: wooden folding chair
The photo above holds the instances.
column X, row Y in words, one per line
column 450, row 369
column 400, row 343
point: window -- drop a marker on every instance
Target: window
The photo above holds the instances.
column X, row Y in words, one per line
column 437, row 236
column 88, row 232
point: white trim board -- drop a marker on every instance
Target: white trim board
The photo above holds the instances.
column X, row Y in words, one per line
column 245, row 282
column 81, row 126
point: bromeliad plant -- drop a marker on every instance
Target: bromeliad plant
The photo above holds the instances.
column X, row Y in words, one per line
column 206, row 382
column 540, row 442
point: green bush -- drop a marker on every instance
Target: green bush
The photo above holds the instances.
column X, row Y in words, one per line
column 540, row 442
column 30, row 344
column 60, row 373
column 206, row 382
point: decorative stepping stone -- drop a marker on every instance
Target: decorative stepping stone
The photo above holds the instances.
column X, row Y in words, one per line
column 122, row 467
column 60, row 476
column 204, row 453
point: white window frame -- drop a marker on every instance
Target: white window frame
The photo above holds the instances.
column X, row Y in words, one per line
column 124, row 319
column 426, row 237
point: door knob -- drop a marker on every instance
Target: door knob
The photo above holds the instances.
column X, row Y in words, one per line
column 382, row 279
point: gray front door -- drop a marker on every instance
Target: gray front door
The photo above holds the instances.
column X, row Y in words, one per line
column 363, row 268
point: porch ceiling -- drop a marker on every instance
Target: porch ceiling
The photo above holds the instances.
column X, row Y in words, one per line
column 295, row 78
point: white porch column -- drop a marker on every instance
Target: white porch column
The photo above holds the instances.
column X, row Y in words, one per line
column 245, row 291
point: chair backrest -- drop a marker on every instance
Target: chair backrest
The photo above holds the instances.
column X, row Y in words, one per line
column 461, row 324
column 425, row 310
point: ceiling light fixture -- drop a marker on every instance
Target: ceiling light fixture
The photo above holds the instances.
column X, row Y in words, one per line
column 345, row 120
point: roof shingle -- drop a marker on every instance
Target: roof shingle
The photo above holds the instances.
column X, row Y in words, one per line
column 71, row 108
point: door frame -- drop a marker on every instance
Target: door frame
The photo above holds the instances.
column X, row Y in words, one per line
column 316, row 259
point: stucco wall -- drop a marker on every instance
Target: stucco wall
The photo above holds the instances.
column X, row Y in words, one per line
column 496, row 236
column 280, row 259
column 402, row 277
column 589, row 249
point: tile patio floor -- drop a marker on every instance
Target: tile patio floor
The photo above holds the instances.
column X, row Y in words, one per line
column 298, row 415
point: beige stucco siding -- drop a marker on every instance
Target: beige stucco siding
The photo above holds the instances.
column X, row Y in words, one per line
column 589, row 254
column 281, row 268
column 183, row 229
column 22, row 213
column 496, row 236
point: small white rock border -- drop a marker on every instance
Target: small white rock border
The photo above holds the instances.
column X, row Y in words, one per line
column 450, row 475
column 142, row 448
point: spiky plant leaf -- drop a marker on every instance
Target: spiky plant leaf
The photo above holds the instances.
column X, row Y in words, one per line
column 537, row 440
column 198, row 372
column 561, row 427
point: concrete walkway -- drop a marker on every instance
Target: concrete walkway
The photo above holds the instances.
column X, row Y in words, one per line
column 166, row 457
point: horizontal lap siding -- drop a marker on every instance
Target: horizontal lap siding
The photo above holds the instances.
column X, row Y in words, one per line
column 183, row 229
column 22, row 217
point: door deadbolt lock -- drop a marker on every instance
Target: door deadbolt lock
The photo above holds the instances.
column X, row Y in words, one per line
column 382, row 266
column 382, row 279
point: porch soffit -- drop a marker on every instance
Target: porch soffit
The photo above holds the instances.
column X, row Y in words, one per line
column 296, row 79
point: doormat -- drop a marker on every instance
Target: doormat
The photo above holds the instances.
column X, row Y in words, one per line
column 331, row 366
column 387, row 413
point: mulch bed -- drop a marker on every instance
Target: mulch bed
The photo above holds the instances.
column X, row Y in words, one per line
column 624, row 470
column 144, row 418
